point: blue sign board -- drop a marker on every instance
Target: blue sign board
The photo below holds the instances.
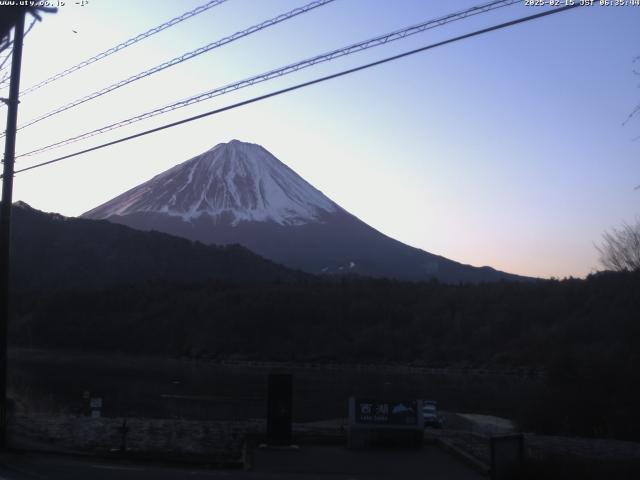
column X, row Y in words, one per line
column 372, row 412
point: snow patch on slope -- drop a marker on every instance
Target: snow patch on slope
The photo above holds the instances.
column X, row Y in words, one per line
column 239, row 179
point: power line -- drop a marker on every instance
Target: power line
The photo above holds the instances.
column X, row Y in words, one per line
column 3, row 64
column 125, row 44
column 348, row 50
column 306, row 84
column 187, row 56
column 6, row 45
column 33, row 22
column 5, row 78
column 7, row 55
column 4, row 60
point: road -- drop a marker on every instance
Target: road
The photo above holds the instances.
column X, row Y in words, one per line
column 308, row 463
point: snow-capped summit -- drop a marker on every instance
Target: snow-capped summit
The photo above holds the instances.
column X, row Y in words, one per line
column 239, row 193
column 234, row 181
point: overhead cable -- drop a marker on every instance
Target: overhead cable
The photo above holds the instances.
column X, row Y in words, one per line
column 125, row 44
column 4, row 60
column 305, row 84
column 291, row 68
column 182, row 58
column 5, row 78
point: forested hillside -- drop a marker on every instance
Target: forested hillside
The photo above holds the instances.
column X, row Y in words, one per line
column 584, row 333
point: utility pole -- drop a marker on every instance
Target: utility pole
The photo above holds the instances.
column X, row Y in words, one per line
column 5, row 216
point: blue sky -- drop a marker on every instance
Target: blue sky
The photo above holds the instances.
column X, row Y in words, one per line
column 505, row 150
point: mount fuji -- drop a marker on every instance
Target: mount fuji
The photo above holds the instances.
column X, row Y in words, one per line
column 239, row 193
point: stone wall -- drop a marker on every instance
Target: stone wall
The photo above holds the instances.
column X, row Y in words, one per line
column 605, row 449
column 218, row 441
column 541, row 446
column 223, row 441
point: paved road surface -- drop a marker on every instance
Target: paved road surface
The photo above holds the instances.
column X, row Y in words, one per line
column 309, row 463
column 429, row 463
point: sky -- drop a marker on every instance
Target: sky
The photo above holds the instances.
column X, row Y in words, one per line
column 507, row 149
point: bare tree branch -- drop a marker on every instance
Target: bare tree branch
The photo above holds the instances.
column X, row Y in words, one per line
column 620, row 248
column 635, row 111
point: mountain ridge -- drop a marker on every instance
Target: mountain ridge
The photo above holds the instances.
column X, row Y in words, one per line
column 49, row 250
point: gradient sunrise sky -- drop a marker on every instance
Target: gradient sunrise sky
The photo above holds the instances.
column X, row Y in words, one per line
column 506, row 150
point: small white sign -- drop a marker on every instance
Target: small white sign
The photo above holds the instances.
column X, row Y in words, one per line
column 96, row 402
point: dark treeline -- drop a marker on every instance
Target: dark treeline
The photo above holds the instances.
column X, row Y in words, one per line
column 584, row 333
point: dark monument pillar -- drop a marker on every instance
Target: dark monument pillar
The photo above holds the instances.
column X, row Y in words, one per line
column 507, row 455
column 279, row 409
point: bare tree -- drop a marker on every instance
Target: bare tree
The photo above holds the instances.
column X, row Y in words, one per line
column 620, row 248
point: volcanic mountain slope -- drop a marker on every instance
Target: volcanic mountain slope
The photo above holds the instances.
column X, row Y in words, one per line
column 240, row 193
